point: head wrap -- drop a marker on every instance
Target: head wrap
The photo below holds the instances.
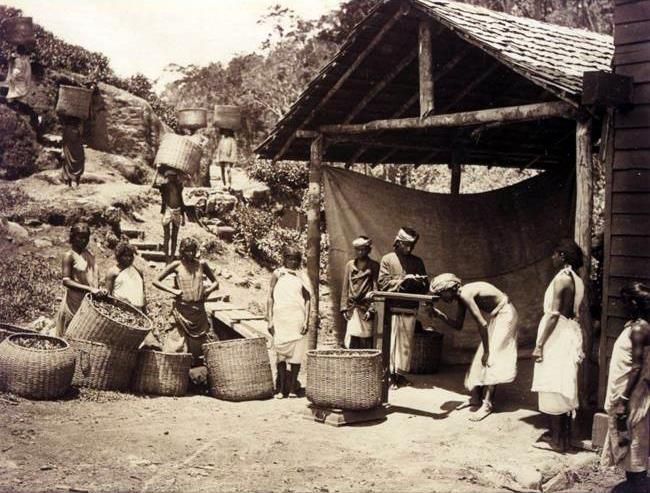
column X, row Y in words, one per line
column 362, row 241
column 402, row 235
column 170, row 171
column 444, row 282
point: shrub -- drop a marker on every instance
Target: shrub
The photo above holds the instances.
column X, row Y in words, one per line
column 286, row 179
column 18, row 148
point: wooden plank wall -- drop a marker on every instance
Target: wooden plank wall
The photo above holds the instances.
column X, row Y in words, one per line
column 627, row 221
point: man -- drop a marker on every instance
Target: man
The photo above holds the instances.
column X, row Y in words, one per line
column 19, row 82
column 401, row 271
column 172, row 210
column 359, row 279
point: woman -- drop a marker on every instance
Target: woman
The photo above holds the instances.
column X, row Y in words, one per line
column 79, row 276
column 495, row 360
column 124, row 281
column 628, row 398
column 19, row 82
column 226, row 156
column 74, row 157
column 558, row 351
column 191, row 325
column 288, row 307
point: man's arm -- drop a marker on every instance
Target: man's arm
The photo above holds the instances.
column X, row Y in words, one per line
column 638, row 336
column 388, row 281
column 269, row 302
column 561, row 296
column 110, row 279
column 345, row 289
column 168, row 270
column 207, row 270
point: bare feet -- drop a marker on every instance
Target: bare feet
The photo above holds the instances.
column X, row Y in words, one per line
column 550, row 446
column 483, row 412
column 468, row 403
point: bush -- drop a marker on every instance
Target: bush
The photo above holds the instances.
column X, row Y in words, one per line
column 18, row 148
column 29, row 286
column 287, row 180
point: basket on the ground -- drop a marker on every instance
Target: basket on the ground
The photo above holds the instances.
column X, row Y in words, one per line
column 19, row 30
column 427, row 351
column 33, row 372
column 74, row 101
column 227, row 116
column 102, row 367
column 90, row 324
column 239, row 369
column 344, row 378
column 160, row 373
column 179, row 152
column 192, row 118
column 9, row 329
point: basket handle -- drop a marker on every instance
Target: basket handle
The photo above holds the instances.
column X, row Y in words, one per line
column 84, row 362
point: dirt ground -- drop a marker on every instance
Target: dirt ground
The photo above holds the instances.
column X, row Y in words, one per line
column 104, row 441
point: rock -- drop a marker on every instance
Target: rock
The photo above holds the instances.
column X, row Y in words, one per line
column 526, row 476
column 560, row 482
column 226, row 233
column 16, row 231
column 42, row 243
column 226, row 274
column 257, row 194
column 32, row 222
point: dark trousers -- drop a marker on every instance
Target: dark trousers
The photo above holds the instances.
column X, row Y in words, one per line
column 361, row 342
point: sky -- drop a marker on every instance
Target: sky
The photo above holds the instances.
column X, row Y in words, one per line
column 146, row 35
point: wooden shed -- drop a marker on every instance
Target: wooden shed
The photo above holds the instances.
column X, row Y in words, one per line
column 627, row 216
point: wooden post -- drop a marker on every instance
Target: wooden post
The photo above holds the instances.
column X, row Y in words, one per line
column 313, row 234
column 582, row 234
column 426, row 68
column 455, row 174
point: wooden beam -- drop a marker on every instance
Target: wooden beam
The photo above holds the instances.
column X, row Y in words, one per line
column 425, row 64
column 339, row 83
column 582, row 236
column 306, row 134
column 313, row 234
column 538, row 111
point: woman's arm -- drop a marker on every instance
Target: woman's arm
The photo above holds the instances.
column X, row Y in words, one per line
column 69, row 282
column 207, row 270
column 563, row 291
column 110, row 279
column 269, row 302
column 165, row 273
column 307, row 296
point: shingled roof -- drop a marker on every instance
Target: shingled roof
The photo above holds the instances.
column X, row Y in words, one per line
column 551, row 55
column 513, row 60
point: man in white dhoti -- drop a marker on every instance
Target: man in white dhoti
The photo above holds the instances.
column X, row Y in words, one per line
column 359, row 279
column 627, row 401
column 558, row 351
column 495, row 360
column 401, row 271
column 288, row 307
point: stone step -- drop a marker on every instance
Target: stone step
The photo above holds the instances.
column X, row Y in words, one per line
column 144, row 245
column 132, row 233
column 153, row 256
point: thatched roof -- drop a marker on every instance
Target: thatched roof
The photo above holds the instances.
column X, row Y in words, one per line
column 485, row 59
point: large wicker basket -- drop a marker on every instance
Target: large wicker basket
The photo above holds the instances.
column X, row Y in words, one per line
column 102, row 367
column 239, row 369
column 192, row 118
column 36, row 373
column 161, row 373
column 90, row 325
column 74, row 101
column 179, row 152
column 344, row 378
column 427, row 351
column 227, row 116
column 8, row 329
column 19, row 30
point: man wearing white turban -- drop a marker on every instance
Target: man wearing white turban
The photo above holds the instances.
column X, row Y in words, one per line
column 359, row 279
column 495, row 360
column 401, row 271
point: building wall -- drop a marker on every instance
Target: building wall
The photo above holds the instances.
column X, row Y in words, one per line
column 627, row 231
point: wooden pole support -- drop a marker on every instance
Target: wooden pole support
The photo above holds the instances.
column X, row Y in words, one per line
column 313, row 234
column 455, row 174
column 426, row 68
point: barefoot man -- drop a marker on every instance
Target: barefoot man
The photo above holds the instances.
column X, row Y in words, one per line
column 172, row 210
column 495, row 361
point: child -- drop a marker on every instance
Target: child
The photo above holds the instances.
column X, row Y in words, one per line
column 495, row 361
column 288, row 307
column 74, row 157
column 19, row 81
column 191, row 328
column 359, row 279
column 226, row 156
column 124, row 281
column 79, row 276
column 172, row 209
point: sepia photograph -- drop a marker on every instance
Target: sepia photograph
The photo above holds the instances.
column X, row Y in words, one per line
column 324, row 246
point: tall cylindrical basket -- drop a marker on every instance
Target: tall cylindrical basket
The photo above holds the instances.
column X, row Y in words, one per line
column 192, row 118
column 227, row 116
column 74, row 101
column 344, row 378
column 160, row 373
column 102, row 367
column 427, row 352
column 179, row 152
column 19, row 30
column 239, row 369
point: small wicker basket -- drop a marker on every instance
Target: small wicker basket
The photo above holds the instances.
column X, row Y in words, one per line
column 162, row 373
column 8, row 329
column 192, row 118
column 427, row 352
column 74, row 101
column 36, row 373
column 344, row 378
column 179, row 152
column 90, row 325
column 239, row 369
column 227, row 116
column 19, row 30
column 102, row 367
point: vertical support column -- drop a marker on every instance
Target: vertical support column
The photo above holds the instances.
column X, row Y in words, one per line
column 313, row 234
column 455, row 174
column 425, row 59
column 582, row 236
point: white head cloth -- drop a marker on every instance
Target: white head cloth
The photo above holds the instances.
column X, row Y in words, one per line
column 444, row 282
column 404, row 236
column 361, row 242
